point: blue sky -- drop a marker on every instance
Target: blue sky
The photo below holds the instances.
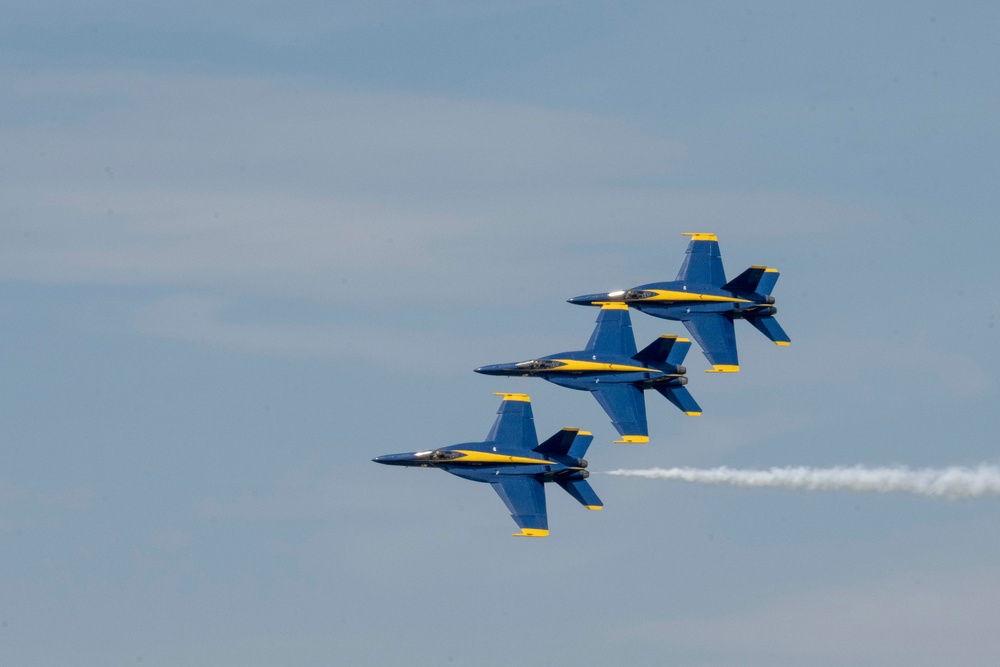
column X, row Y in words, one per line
column 244, row 248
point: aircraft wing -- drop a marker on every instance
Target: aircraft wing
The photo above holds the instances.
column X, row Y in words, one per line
column 716, row 335
column 626, row 406
column 514, row 427
column 524, row 496
column 703, row 262
column 613, row 333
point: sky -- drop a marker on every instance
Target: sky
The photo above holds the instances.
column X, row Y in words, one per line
column 245, row 247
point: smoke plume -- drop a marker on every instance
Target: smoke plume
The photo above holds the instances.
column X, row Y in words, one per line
column 951, row 483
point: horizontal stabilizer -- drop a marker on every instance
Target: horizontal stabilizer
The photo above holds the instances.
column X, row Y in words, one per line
column 682, row 398
column 770, row 328
column 582, row 491
column 665, row 349
column 757, row 279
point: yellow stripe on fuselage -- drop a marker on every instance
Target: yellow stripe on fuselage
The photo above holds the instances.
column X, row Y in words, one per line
column 490, row 457
column 676, row 296
column 577, row 366
column 611, row 305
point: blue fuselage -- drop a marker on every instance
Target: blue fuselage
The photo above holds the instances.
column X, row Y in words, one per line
column 482, row 462
column 582, row 370
column 677, row 300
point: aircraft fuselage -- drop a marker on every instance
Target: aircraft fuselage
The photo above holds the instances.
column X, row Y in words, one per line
column 582, row 370
column 677, row 300
column 482, row 462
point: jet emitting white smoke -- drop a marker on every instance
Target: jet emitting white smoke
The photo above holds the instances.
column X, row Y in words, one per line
column 951, row 483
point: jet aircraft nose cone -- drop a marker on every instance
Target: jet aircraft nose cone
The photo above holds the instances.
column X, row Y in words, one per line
column 494, row 369
column 396, row 459
column 591, row 299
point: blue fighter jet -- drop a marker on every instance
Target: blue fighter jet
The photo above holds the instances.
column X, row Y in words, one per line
column 515, row 465
column 611, row 369
column 705, row 303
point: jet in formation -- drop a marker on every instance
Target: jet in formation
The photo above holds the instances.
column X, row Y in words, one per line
column 614, row 372
column 707, row 305
column 515, row 465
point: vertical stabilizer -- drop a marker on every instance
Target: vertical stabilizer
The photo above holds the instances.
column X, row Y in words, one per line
column 756, row 280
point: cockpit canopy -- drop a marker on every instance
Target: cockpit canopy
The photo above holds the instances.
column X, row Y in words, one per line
column 539, row 364
column 634, row 295
column 445, row 455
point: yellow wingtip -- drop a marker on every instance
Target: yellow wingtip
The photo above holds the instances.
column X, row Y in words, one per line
column 532, row 532
column 724, row 368
column 782, row 343
column 633, row 440
column 513, row 397
column 595, row 507
column 700, row 236
column 693, row 414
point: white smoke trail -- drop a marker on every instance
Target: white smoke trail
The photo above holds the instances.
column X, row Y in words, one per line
column 951, row 483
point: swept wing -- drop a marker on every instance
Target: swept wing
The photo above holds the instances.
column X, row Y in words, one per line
column 525, row 499
column 626, row 406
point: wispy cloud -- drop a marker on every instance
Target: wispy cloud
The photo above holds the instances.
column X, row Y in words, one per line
column 211, row 181
column 223, row 189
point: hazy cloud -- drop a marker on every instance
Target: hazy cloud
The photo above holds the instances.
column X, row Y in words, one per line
column 278, row 188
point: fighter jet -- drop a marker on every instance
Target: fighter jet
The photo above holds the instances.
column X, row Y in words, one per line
column 515, row 465
column 611, row 369
column 705, row 303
